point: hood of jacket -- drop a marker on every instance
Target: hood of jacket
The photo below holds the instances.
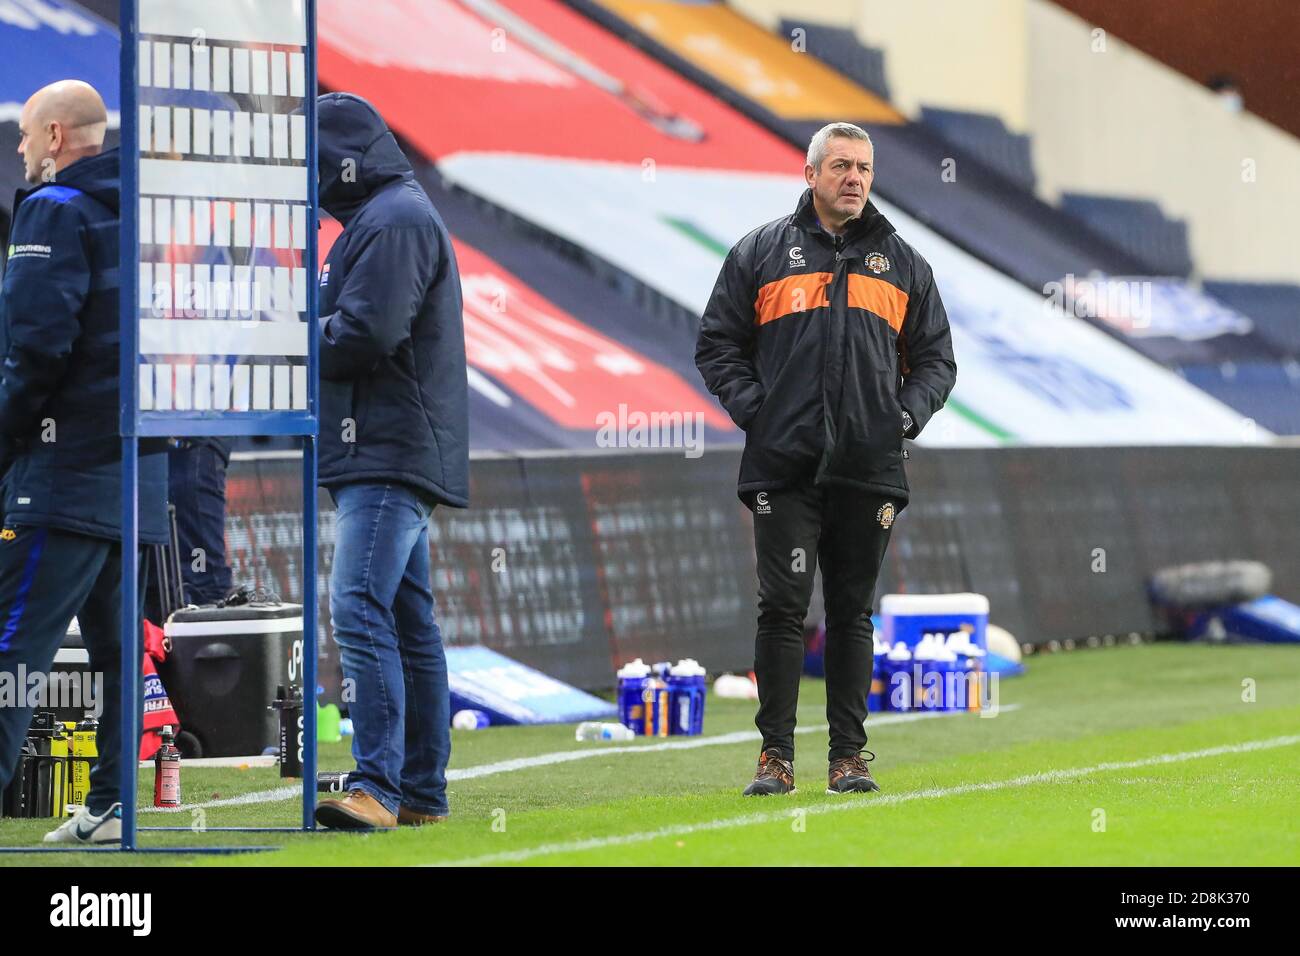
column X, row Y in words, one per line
column 98, row 177
column 358, row 154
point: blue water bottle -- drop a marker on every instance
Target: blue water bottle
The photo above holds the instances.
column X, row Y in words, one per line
column 701, row 689
column 979, row 679
column 686, row 697
column 875, row 697
column 632, row 677
column 898, row 674
column 964, row 680
column 927, row 684
column 654, row 698
column 952, row 696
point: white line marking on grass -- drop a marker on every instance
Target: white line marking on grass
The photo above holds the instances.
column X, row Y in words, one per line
column 262, row 760
column 751, row 819
column 691, row 743
column 567, row 756
column 260, row 796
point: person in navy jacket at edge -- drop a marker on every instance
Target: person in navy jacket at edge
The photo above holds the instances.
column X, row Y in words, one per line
column 60, row 450
column 394, row 444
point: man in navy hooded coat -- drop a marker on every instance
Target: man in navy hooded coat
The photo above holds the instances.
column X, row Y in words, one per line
column 394, row 445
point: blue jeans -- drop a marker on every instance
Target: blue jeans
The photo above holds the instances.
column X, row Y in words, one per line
column 196, row 486
column 46, row 577
column 381, row 606
column 196, row 477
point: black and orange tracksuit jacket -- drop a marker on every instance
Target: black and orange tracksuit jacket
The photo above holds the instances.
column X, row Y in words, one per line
column 815, row 344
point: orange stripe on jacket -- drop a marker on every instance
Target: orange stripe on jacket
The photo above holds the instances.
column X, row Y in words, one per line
column 878, row 296
column 791, row 294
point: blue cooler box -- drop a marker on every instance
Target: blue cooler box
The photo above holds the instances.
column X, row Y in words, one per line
column 906, row 619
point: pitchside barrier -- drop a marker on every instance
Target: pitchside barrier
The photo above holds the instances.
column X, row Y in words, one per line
column 574, row 565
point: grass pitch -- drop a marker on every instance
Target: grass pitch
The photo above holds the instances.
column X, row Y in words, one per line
column 1153, row 755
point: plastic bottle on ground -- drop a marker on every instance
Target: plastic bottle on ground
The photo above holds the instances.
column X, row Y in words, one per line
column 603, row 730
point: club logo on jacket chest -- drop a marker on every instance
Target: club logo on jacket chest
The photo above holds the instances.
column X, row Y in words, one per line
column 796, row 258
column 878, row 262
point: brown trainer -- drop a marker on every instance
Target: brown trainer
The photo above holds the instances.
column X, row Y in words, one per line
column 357, row 811
column 412, row 818
column 851, row 775
column 774, row 776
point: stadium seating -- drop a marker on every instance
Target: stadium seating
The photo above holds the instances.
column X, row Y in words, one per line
column 839, row 48
column 576, row 172
column 988, row 139
column 979, row 208
column 1274, row 308
column 1138, row 226
column 1266, row 392
column 989, row 207
column 569, row 293
column 552, row 220
column 1172, row 321
column 550, row 345
column 1236, row 341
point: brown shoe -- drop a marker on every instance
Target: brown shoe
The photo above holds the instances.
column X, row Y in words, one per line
column 774, row 776
column 412, row 818
column 357, row 811
column 851, row 775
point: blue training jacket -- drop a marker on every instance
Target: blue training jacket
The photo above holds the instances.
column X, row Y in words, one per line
column 60, row 449
column 394, row 389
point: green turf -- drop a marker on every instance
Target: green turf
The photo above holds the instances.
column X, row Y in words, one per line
column 1071, row 711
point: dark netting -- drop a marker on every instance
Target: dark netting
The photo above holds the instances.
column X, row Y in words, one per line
column 576, row 564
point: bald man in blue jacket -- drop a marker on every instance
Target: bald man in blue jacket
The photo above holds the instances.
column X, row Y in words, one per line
column 60, row 546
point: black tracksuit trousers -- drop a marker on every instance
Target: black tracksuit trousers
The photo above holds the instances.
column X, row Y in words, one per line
column 846, row 531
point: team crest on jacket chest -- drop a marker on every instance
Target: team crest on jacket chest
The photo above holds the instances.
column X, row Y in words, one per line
column 886, row 515
column 878, row 262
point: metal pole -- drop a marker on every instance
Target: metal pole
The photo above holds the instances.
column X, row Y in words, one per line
column 130, row 726
column 310, row 649
column 128, row 383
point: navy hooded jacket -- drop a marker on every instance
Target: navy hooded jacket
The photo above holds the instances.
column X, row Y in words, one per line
column 60, row 448
column 394, row 390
